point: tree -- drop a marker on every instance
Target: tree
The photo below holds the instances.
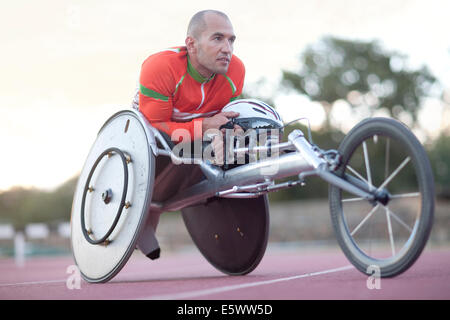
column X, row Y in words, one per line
column 439, row 153
column 21, row 206
column 361, row 73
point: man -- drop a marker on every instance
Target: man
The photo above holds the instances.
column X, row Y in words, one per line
column 186, row 87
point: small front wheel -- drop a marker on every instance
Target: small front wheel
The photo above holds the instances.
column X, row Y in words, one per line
column 391, row 233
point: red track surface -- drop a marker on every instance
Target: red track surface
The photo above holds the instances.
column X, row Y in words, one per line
column 286, row 275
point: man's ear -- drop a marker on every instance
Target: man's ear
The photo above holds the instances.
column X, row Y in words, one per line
column 190, row 44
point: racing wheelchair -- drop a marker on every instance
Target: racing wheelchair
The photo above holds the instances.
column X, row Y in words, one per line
column 381, row 192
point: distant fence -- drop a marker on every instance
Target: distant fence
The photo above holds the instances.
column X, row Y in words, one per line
column 305, row 221
column 35, row 230
column 36, row 238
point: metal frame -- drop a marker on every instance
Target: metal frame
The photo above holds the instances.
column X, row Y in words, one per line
column 249, row 180
column 299, row 157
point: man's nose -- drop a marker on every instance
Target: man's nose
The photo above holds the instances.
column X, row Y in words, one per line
column 227, row 47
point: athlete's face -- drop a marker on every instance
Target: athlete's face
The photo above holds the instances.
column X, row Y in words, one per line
column 214, row 47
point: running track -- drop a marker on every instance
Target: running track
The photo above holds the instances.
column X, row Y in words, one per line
column 282, row 275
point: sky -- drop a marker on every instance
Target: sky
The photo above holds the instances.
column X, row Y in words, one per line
column 67, row 65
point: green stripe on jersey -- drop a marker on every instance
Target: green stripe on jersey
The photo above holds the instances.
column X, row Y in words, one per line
column 152, row 94
column 233, row 87
column 179, row 83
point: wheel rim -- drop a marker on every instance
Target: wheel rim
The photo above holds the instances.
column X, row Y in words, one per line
column 106, row 196
column 383, row 234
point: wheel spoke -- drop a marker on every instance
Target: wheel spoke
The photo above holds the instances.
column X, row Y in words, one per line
column 405, row 195
column 399, row 220
column 353, row 199
column 392, row 176
column 391, row 236
column 366, row 160
column 386, row 163
column 360, row 176
column 396, row 196
column 364, row 220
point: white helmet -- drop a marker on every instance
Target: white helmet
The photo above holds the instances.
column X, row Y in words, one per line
column 254, row 114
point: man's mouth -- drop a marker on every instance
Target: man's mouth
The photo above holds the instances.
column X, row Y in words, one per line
column 224, row 60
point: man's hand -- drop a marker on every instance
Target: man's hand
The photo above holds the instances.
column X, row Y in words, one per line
column 215, row 122
column 217, row 143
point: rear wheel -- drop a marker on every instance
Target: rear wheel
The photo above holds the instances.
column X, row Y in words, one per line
column 391, row 235
column 231, row 233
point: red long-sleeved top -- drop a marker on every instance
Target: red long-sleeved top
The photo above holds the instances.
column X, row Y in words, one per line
column 173, row 95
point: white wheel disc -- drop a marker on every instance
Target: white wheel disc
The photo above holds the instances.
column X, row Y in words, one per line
column 112, row 197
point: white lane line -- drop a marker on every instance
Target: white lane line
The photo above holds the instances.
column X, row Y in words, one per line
column 30, row 283
column 198, row 293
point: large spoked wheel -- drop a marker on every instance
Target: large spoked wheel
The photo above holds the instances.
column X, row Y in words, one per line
column 389, row 234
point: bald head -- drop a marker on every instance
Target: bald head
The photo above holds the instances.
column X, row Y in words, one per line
column 209, row 42
column 198, row 22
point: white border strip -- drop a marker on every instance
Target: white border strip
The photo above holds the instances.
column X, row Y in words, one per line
column 198, row 293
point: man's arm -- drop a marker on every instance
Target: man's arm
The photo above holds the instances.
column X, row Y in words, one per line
column 157, row 85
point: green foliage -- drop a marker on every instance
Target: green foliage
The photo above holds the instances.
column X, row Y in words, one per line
column 439, row 153
column 20, row 206
column 361, row 73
